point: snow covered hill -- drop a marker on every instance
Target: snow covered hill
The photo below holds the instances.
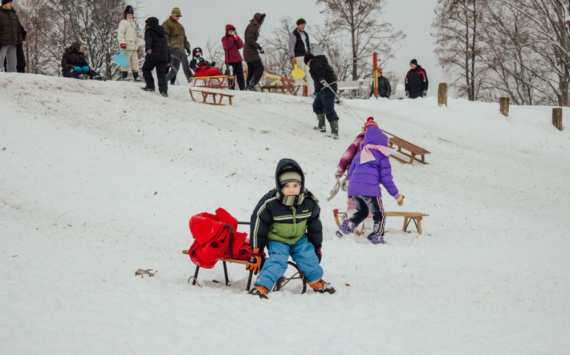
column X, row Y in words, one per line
column 98, row 180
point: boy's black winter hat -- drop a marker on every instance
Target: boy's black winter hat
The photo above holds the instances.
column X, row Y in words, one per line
column 4, row 2
column 415, row 62
column 308, row 57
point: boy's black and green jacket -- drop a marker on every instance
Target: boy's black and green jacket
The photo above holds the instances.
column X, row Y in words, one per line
column 281, row 219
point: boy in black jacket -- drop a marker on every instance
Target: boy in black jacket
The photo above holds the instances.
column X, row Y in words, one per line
column 325, row 90
column 198, row 60
column 286, row 220
column 157, row 56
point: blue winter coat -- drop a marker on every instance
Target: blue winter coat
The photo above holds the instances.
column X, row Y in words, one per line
column 364, row 179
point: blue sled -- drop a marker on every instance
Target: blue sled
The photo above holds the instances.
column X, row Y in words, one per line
column 121, row 60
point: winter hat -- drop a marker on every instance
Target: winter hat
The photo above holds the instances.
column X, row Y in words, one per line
column 197, row 49
column 301, row 21
column 75, row 44
column 370, row 123
column 415, row 62
column 129, row 10
column 176, row 12
column 289, row 174
column 151, row 21
column 308, row 57
column 4, row 2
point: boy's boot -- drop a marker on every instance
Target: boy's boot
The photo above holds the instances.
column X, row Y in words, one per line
column 375, row 237
column 321, row 286
column 334, row 130
column 259, row 291
column 125, row 75
column 322, row 126
column 148, row 88
column 136, row 76
column 346, row 227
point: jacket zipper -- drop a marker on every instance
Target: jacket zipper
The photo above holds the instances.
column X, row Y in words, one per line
column 294, row 220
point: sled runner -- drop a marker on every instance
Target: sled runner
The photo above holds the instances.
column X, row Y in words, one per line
column 214, row 95
column 408, row 218
column 297, row 275
column 213, row 82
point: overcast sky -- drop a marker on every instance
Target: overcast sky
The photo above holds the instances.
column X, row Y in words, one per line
column 208, row 19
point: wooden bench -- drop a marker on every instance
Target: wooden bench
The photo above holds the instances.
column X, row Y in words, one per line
column 281, row 89
column 413, row 150
column 214, row 95
column 298, row 275
column 416, row 217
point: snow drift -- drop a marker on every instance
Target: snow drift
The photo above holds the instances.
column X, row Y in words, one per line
column 100, row 179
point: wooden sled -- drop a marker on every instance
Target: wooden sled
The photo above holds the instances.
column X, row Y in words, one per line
column 217, row 97
column 297, row 275
column 407, row 149
column 416, row 217
column 213, row 82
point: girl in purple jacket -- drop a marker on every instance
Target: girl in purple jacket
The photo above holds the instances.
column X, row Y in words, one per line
column 370, row 167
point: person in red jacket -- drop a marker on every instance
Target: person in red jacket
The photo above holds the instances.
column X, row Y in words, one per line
column 232, row 44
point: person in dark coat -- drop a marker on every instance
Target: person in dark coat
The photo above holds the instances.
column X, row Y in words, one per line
column 384, row 88
column 232, row 44
column 251, row 51
column 20, row 56
column 326, row 89
column 299, row 47
column 416, row 81
column 10, row 36
column 74, row 64
column 157, row 56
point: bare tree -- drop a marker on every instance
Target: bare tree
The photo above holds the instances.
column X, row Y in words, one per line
column 360, row 19
column 458, row 43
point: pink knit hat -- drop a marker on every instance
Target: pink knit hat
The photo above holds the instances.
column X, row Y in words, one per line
column 370, row 123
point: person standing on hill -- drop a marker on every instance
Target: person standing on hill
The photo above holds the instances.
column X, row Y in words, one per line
column 251, row 51
column 157, row 56
column 416, row 81
column 20, row 55
column 177, row 43
column 10, row 36
column 299, row 47
column 232, row 44
column 127, row 37
column 326, row 89
column 384, row 88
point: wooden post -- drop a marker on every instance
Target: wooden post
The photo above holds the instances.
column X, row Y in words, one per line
column 557, row 118
column 442, row 94
column 375, row 73
column 504, row 101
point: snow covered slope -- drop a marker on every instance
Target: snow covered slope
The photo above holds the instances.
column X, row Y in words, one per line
column 100, row 179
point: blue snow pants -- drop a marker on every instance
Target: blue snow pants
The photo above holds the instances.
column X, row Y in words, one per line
column 324, row 103
column 303, row 254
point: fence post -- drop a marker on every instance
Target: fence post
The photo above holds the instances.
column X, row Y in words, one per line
column 375, row 74
column 557, row 118
column 504, row 102
column 442, row 94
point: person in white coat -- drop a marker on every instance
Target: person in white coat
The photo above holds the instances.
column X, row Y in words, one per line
column 127, row 36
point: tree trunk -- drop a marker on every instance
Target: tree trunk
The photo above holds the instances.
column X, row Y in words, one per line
column 557, row 118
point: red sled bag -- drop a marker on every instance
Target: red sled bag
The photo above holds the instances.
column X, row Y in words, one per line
column 202, row 71
column 212, row 241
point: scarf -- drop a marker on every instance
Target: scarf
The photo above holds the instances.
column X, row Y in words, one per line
column 366, row 154
column 291, row 201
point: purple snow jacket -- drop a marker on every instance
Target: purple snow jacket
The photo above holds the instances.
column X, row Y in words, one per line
column 364, row 179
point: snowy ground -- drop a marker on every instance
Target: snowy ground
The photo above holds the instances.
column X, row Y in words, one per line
column 100, row 179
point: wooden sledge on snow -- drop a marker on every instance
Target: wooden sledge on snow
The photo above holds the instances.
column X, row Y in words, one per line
column 406, row 149
column 297, row 275
column 416, row 217
column 217, row 97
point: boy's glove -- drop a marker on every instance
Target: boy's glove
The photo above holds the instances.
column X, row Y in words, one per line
column 325, row 84
column 123, row 46
column 78, row 69
column 255, row 261
column 408, row 94
column 319, row 253
column 400, row 199
column 85, row 69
